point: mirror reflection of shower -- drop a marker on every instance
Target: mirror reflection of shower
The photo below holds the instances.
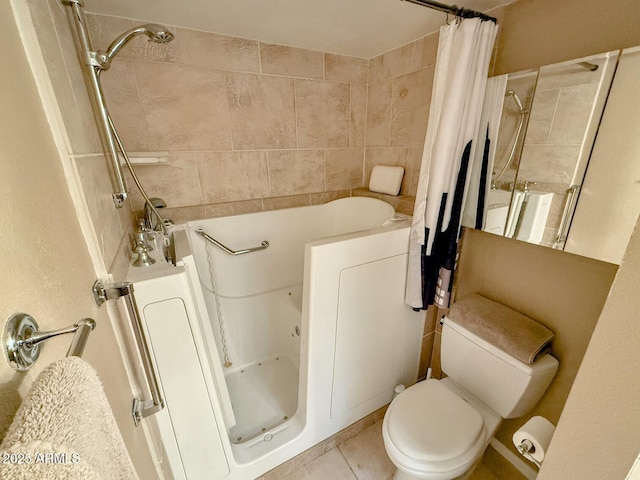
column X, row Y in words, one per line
column 548, row 125
column 522, row 112
column 504, row 201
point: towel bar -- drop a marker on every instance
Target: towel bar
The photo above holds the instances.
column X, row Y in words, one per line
column 22, row 339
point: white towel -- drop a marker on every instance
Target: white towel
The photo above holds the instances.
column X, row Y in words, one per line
column 65, row 429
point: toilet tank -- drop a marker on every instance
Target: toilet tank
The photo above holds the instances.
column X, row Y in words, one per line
column 503, row 383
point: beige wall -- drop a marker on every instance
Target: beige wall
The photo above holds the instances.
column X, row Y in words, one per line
column 562, row 291
column 47, row 271
column 599, row 431
column 540, row 32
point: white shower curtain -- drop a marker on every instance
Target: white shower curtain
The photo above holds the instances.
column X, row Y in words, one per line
column 460, row 78
column 474, row 210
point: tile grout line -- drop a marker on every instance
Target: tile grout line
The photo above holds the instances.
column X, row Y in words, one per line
column 353, row 472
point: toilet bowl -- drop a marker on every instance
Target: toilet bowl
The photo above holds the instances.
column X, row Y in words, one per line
column 436, row 431
column 439, row 429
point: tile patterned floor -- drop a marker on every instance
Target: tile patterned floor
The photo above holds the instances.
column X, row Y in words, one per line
column 362, row 457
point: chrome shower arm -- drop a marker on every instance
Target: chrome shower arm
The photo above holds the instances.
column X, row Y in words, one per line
column 120, row 42
column 156, row 33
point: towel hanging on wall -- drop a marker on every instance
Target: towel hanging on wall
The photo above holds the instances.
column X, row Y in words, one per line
column 66, row 428
column 462, row 66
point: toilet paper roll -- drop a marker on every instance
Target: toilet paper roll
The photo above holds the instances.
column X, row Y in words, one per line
column 538, row 430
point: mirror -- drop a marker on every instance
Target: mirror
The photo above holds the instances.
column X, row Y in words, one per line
column 546, row 133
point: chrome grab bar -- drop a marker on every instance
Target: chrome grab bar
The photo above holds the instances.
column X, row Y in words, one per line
column 212, row 240
column 565, row 222
column 23, row 338
column 140, row 408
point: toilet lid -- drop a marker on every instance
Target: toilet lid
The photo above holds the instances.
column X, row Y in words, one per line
column 429, row 422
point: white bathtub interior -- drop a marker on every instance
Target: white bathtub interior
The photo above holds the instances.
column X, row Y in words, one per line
column 260, row 297
column 317, row 332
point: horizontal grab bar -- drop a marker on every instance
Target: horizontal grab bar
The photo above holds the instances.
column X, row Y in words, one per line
column 210, row 239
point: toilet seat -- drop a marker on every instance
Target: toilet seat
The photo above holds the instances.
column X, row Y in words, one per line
column 432, row 433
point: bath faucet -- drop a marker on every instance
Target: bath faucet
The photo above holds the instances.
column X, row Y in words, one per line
column 151, row 220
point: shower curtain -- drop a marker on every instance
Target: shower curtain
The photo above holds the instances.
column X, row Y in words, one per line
column 462, row 66
column 475, row 209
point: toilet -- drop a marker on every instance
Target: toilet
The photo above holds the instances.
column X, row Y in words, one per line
column 439, row 429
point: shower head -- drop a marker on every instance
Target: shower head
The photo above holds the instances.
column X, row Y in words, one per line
column 156, row 33
column 516, row 98
column 589, row 66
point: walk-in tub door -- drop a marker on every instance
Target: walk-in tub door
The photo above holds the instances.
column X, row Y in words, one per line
column 188, row 425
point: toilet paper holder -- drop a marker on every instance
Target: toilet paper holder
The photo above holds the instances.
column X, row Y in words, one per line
column 526, row 448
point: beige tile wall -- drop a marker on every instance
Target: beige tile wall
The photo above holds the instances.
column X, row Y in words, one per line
column 398, row 103
column 248, row 126
column 559, row 117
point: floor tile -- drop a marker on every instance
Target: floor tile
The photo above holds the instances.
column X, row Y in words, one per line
column 366, row 455
column 330, row 465
column 362, row 457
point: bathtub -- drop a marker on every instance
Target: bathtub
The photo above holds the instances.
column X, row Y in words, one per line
column 265, row 354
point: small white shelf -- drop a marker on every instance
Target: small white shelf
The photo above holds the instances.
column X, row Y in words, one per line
column 146, row 158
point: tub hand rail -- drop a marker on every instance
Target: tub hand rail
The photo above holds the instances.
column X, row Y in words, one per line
column 210, row 239
column 140, row 408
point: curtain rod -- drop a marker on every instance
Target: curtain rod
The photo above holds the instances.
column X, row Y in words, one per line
column 452, row 9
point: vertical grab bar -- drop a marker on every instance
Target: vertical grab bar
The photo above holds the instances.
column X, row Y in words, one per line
column 88, row 58
column 140, row 408
column 565, row 222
